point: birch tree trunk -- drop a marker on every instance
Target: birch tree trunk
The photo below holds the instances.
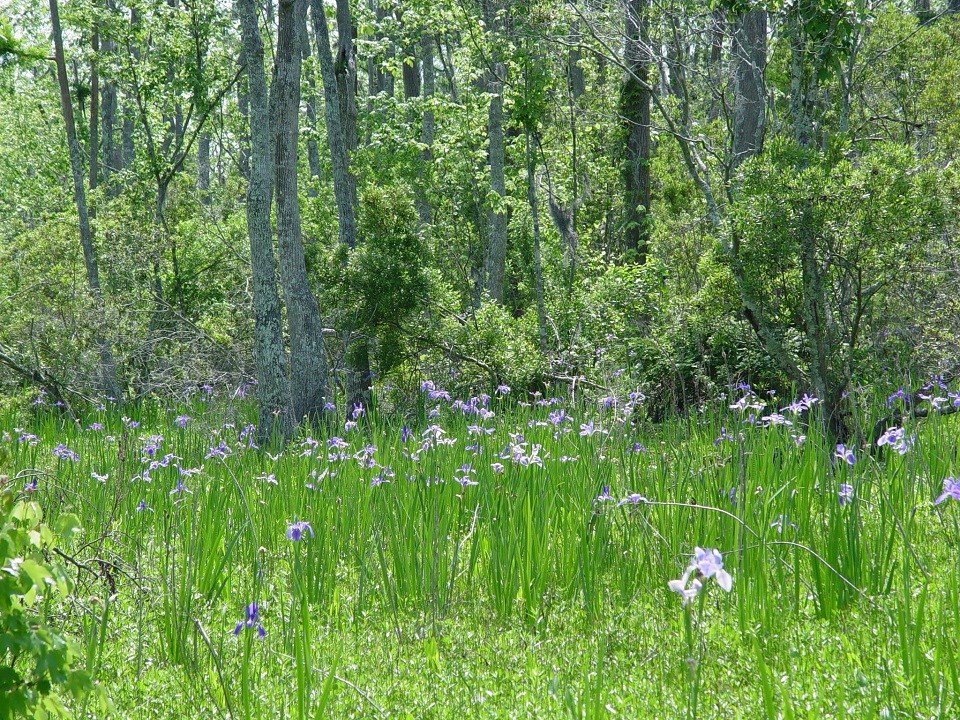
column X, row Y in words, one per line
column 308, row 362
column 273, row 388
column 108, row 367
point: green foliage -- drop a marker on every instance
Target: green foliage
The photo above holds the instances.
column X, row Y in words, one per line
column 385, row 277
column 873, row 222
column 493, row 347
column 39, row 665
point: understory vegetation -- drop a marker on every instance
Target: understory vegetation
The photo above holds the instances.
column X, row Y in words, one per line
column 479, row 358
column 505, row 556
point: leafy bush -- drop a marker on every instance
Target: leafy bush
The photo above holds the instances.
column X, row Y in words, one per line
column 38, row 664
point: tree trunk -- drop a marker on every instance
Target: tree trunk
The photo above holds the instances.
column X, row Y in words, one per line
column 715, row 63
column 357, row 371
column 424, row 209
column 495, row 259
column 94, row 170
column 411, row 73
column 344, row 184
column 635, row 110
column 308, row 361
column 804, row 86
column 537, row 260
column 749, row 62
column 243, row 105
column 273, row 388
column 576, row 79
column 108, row 367
column 203, row 167
column 313, row 152
column 109, row 149
column 127, row 148
column 108, row 121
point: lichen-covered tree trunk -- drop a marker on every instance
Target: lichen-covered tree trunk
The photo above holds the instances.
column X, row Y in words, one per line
column 203, row 167
column 343, row 181
column 495, row 258
column 94, row 127
column 308, row 362
column 273, row 388
column 427, row 131
column 749, row 88
column 635, row 110
column 357, row 366
column 310, row 102
column 534, row 204
column 108, row 367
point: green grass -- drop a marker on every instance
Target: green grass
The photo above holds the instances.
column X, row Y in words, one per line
column 519, row 596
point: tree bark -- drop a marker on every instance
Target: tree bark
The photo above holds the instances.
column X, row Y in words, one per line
column 357, row 370
column 308, row 361
column 749, row 62
column 537, row 259
column 344, row 184
column 94, row 134
column 203, row 167
column 313, row 152
column 635, row 110
column 108, row 119
column 495, row 259
column 108, row 367
column 243, row 105
column 428, row 128
column 718, row 28
column 273, row 388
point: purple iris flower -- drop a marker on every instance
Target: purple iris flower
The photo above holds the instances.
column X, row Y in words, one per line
column 895, row 438
column 846, row 494
column 220, row 451
column 297, row 530
column 405, row 434
column 252, row 619
column 900, row 394
column 706, row 563
column 724, row 435
column 951, row 490
column 64, row 453
column 846, row 454
column 605, row 495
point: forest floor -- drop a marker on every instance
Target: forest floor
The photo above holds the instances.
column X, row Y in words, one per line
column 501, row 559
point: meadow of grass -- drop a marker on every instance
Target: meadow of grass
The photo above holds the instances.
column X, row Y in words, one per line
column 503, row 557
